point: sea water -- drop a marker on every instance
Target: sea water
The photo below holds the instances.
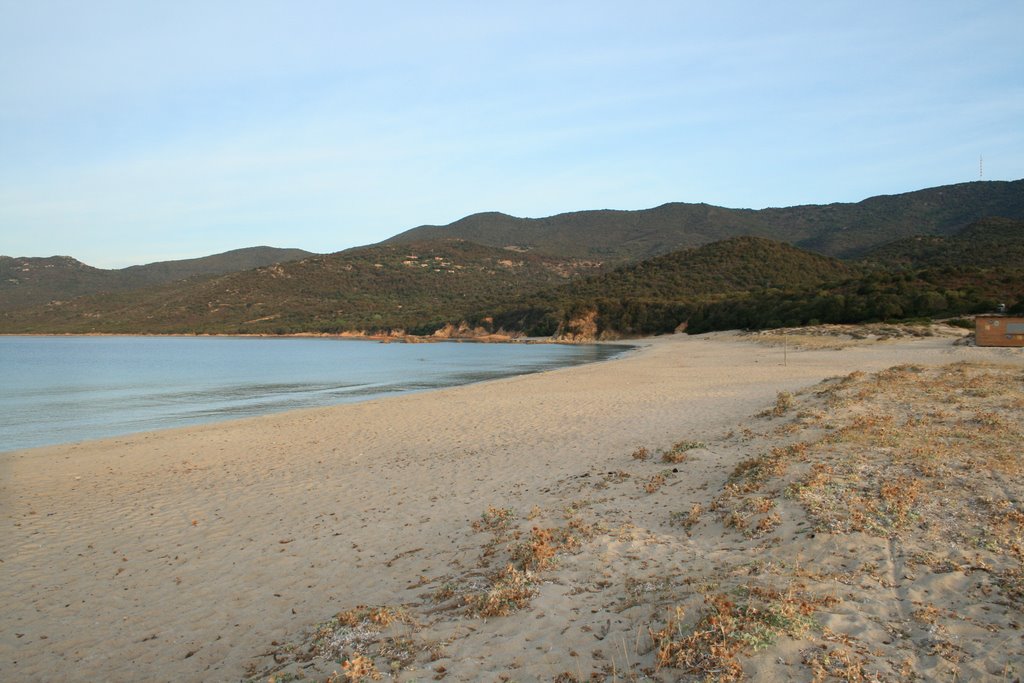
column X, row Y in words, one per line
column 64, row 389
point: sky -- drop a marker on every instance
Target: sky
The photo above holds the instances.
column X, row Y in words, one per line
column 133, row 132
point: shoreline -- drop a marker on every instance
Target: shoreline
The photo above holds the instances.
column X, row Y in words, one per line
column 183, row 554
column 379, row 385
column 403, row 338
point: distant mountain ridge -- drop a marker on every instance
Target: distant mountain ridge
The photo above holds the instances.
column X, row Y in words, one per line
column 28, row 281
column 938, row 251
column 217, row 264
column 843, row 230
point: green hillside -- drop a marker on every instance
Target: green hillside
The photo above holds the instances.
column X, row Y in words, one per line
column 969, row 272
column 917, row 255
column 883, row 296
column 414, row 286
column 713, row 270
column 32, row 281
column 744, row 282
column 658, row 295
column 754, row 283
column 989, row 243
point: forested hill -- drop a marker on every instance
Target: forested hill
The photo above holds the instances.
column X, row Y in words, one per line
column 841, row 229
column 914, row 258
column 658, row 295
column 419, row 287
column 970, row 272
column 988, row 243
column 714, row 270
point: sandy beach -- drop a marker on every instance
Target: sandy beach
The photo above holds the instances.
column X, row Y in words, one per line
column 200, row 554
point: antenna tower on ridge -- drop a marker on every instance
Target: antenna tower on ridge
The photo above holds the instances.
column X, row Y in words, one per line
column 981, row 167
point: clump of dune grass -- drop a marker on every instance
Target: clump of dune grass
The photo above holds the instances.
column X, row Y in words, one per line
column 494, row 519
column 538, row 551
column 832, row 662
column 654, row 483
column 688, row 519
column 783, row 404
column 510, row 590
column 358, row 668
column 360, row 638
column 677, row 453
column 524, row 556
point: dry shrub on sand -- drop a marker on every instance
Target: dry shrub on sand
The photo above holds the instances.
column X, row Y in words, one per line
column 654, row 483
column 677, row 453
column 378, row 616
column 510, row 591
column 538, row 551
column 783, row 404
column 687, row 520
column 357, row 669
column 511, row 588
column 729, row 626
column 494, row 519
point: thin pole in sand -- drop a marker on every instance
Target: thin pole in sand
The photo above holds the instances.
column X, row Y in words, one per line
column 785, row 350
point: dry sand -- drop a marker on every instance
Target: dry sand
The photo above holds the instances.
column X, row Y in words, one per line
column 212, row 553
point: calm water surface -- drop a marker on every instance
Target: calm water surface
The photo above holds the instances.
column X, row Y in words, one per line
column 63, row 389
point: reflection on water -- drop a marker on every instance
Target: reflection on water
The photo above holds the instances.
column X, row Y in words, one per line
column 61, row 389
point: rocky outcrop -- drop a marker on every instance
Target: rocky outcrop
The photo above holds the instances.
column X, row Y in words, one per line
column 579, row 330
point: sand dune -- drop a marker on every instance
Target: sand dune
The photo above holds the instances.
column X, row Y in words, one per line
column 200, row 554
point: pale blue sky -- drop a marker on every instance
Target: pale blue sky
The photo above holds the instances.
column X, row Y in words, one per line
column 135, row 131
